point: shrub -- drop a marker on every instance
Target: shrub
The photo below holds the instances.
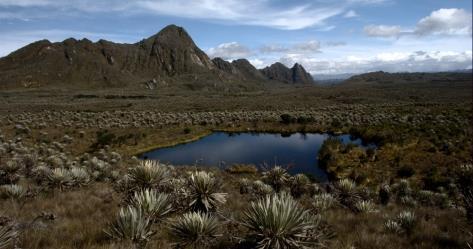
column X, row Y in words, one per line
column 406, row 171
column 103, row 138
column 187, row 130
column 148, row 174
column 154, row 205
column 277, row 177
column 242, row 169
column 131, row 225
column 278, row 221
column 287, row 119
column 203, row 192
column 384, row 194
column 194, row 230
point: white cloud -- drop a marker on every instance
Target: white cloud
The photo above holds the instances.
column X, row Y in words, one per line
column 418, row 61
column 350, row 14
column 335, row 43
column 311, row 46
column 257, row 63
column 307, row 47
column 273, row 48
column 445, row 21
column 231, row 50
column 382, row 30
column 439, row 22
column 249, row 12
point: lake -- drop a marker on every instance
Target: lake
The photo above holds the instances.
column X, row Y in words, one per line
column 297, row 152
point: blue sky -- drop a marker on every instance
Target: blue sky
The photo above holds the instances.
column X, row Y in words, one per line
column 326, row 36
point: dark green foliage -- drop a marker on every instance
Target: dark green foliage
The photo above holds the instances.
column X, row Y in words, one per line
column 187, row 130
column 103, row 138
column 384, row 194
column 406, row 171
column 287, row 119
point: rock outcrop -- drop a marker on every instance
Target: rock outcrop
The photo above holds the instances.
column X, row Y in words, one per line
column 294, row 75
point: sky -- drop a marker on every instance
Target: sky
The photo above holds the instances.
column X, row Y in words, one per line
column 325, row 36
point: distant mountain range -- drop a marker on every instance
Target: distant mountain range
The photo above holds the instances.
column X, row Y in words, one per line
column 167, row 58
column 381, row 77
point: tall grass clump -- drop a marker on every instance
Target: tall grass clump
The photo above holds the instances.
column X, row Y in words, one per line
column 131, row 225
column 365, row 207
column 203, row 192
column 404, row 222
column 323, row 202
column 278, row 221
column 194, row 230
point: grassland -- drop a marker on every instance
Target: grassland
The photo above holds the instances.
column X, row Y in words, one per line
column 423, row 132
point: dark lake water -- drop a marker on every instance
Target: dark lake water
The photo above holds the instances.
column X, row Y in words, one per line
column 297, row 152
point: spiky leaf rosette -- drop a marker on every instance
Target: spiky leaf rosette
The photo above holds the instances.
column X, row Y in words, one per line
column 153, row 204
column 7, row 236
column 13, row 191
column 60, row 178
column 277, row 177
column 148, row 174
column 346, row 192
column 203, row 192
column 80, row 176
column 194, row 230
column 277, row 221
column 299, row 185
column 132, row 225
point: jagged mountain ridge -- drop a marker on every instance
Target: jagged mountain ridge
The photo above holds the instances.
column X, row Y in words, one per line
column 294, row 75
column 168, row 57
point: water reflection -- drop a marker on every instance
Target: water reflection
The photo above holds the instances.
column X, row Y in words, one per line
column 297, row 150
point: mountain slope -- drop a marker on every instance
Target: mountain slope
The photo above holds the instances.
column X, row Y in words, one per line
column 168, row 58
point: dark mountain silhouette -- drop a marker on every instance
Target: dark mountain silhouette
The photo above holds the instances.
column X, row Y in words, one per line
column 381, row 77
column 294, row 75
column 168, row 57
